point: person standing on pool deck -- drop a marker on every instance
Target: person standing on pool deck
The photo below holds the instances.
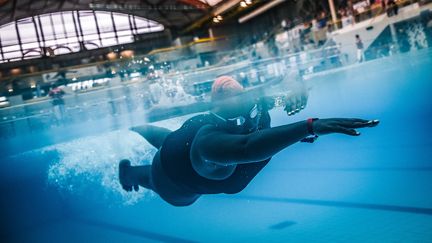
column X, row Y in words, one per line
column 222, row 151
column 360, row 53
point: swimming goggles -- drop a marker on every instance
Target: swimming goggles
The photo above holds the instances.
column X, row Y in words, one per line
column 240, row 120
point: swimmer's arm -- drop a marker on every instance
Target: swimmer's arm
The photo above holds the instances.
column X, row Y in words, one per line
column 224, row 148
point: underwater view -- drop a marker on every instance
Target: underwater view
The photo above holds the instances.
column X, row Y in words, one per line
column 376, row 185
column 329, row 144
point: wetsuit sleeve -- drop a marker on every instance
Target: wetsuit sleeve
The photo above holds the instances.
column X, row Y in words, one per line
column 224, row 148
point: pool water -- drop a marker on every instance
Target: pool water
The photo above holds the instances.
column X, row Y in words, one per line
column 376, row 187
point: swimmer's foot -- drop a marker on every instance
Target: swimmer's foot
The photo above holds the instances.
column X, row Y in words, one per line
column 125, row 176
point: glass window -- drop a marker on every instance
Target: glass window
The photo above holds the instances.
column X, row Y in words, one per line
column 62, row 41
column 32, row 53
column 47, row 29
column 27, row 31
column 8, row 34
column 151, row 29
column 60, row 33
column 38, row 30
column 125, row 39
column 91, row 45
column 157, row 28
column 15, row 59
column 75, row 47
column 143, row 31
column 58, row 26
column 124, row 33
column 147, row 26
column 61, row 50
column 109, row 42
column 50, row 43
column 12, row 55
column 72, row 40
column 32, row 56
column 91, row 37
column 104, row 22
column 107, row 35
column 69, row 24
column 142, row 23
column 11, row 48
column 88, row 24
column 121, row 22
column 29, row 46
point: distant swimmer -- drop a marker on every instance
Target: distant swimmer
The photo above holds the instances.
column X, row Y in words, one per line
column 222, row 151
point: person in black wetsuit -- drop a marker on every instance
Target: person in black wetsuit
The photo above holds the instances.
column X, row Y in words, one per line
column 222, row 151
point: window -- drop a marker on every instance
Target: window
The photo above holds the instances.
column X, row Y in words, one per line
column 30, row 46
column 12, row 55
column 8, row 34
column 27, row 31
column 88, row 24
column 62, row 32
column 58, row 26
column 47, row 29
column 69, row 25
column 105, row 22
column 109, row 42
column 11, row 48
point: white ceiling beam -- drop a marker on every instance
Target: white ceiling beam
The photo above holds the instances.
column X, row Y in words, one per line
column 260, row 10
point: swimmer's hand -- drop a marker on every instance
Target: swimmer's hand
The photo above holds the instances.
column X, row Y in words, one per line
column 341, row 125
column 295, row 102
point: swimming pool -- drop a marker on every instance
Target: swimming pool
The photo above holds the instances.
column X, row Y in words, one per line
column 376, row 187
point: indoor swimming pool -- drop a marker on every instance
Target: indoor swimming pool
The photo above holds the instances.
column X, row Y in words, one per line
column 376, row 187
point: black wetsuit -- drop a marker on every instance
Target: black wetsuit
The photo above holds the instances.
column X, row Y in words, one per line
column 175, row 163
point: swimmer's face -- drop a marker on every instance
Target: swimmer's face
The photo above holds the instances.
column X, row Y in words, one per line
column 241, row 107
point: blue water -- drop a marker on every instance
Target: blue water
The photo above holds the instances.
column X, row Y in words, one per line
column 376, row 187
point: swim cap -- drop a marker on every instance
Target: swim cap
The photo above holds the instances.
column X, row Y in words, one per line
column 224, row 87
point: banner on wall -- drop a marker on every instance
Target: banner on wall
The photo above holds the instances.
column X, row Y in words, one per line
column 71, row 74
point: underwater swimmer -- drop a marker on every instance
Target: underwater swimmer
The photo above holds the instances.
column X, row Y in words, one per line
column 222, row 151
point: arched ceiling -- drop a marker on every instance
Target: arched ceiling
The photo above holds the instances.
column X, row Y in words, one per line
column 172, row 14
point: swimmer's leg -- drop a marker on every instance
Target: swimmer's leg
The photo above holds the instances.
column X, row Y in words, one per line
column 153, row 134
column 132, row 176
